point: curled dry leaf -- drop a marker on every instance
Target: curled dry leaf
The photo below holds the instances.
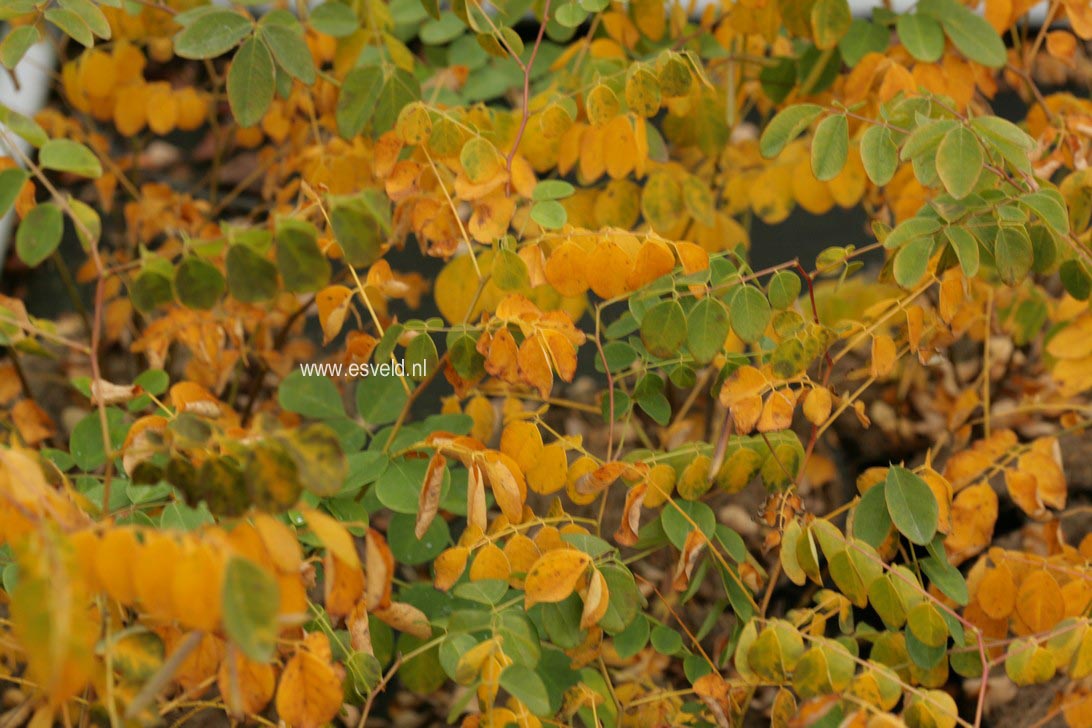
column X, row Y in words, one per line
column 596, row 600
column 626, row 535
column 429, row 501
column 692, row 550
column 380, row 570
column 406, row 618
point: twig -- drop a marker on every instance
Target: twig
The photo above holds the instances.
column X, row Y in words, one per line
column 526, row 110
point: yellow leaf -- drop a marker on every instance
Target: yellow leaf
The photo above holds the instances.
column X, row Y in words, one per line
column 554, row 576
column 449, row 565
column 776, row 413
column 619, row 146
column 245, row 685
column 509, row 487
column 974, row 513
column 309, row 694
column 522, row 553
column 490, row 563
column 549, row 472
column 161, row 108
column 332, row 535
column 817, row 405
column 1040, row 602
column 883, row 356
column 613, row 265
column 996, row 592
column 280, row 542
column 343, row 584
column 650, row 18
column 196, row 586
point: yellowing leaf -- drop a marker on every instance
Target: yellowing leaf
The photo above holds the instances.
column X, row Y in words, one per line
column 554, row 576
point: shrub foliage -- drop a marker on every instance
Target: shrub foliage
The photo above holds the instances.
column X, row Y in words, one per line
column 538, row 506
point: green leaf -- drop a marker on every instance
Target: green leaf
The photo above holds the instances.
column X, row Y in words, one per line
column 86, row 442
column 198, row 283
column 526, row 686
column 302, row 265
column 707, row 327
column 290, row 51
column 1013, row 255
column 212, row 34
column 91, row 15
column 926, row 624
column 911, row 504
column 11, row 182
column 315, row 397
column 959, row 161
column 39, row 234
column 861, row 39
column 399, row 89
column 150, row 290
column 16, row 44
column 879, row 155
column 65, row 155
column 783, row 289
column 912, row 229
column 361, row 225
column 250, row 82
column 421, row 357
column 379, row 399
column 510, row 272
column 922, row 36
column 249, row 602
column 786, row 126
column 71, row 25
column 335, row 19
column 679, row 518
column 965, row 246
column 663, row 329
column 550, row 214
column 23, row 126
column 1075, row 279
column 911, row 261
column 969, row 32
column 830, row 147
column 1050, row 207
column 552, row 189
column 750, row 313
column 250, row 277
column 871, row 521
column 357, row 98
column 1007, row 139
column 830, row 20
